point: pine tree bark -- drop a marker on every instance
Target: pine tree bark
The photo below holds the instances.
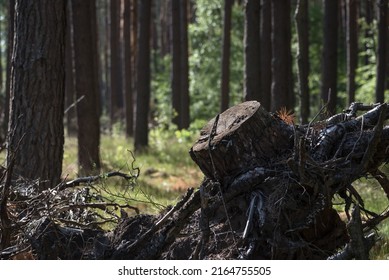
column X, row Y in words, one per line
column 329, row 55
column 37, row 90
column 302, row 26
column 143, row 76
column 10, row 45
column 128, row 68
column 381, row 50
column 176, row 63
column 116, row 80
column 165, row 21
column 265, row 54
column 351, row 47
column 185, row 102
column 107, row 57
column 134, row 44
column 225, row 79
column 86, row 87
column 95, row 53
column 1, row 67
column 282, row 95
column 70, row 91
column 251, row 50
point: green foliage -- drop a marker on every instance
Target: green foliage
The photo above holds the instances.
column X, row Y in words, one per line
column 205, row 60
column 366, row 72
column 315, row 53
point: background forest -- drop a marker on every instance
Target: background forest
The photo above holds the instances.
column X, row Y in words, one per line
column 145, row 76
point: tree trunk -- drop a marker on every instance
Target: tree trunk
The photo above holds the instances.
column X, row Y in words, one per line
column 2, row 113
column 351, row 47
column 1, row 66
column 381, row 50
column 107, row 57
column 176, row 63
column 37, row 90
column 143, row 76
column 70, row 91
column 10, row 46
column 96, row 61
column 129, row 107
column 86, row 88
column 301, row 17
column 251, row 50
column 329, row 55
column 116, row 75
column 265, row 54
column 387, row 52
column 282, row 94
column 134, row 49
column 185, row 104
column 165, row 21
column 225, row 79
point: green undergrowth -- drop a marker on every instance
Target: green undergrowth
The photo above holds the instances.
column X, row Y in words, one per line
column 165, row 169
column 375, row 200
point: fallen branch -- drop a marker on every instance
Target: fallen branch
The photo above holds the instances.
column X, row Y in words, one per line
column 91, row 179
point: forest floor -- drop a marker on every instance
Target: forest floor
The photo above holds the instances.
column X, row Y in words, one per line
column 166, row 169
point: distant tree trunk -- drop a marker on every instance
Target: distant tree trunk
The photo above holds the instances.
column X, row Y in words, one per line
column 381, row 50
column 265, row 54
column 225, row 80
column 134, row 44
column 10, row 46
column 251, row 50
column 2, row 131
column 143, row 76
column 176, row 63
column 86, row 87
column 1, row 67
column 95, row 52
column 185, row 111
column 128, row 68
column 116, row 78
column 155, row 36
column 301, row 17
column 281, row 56
column 165, row 21
column 37, row 90
column 101, row 57
column 351, row 47
column 329, row 55
column 387, row 53
column 107, row 56
column 70, row 91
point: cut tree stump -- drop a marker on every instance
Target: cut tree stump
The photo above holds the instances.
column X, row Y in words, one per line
column 246, row 136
